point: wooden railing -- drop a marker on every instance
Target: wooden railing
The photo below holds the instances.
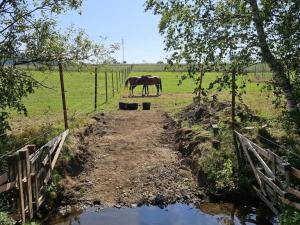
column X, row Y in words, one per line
column 29, row 171
column 272, row 173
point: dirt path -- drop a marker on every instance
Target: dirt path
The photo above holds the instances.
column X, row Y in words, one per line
column 134, row 162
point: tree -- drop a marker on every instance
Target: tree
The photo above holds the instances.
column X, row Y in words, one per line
column 210, row 32
column 28, row 34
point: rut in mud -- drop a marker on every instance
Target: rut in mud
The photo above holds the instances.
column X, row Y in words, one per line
column 133, row 161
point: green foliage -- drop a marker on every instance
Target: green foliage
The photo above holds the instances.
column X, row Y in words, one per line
column 29, row 35
column 217, row 165
column 290, row 217
column 14, row 85
column 230, row 35
column 5, row 219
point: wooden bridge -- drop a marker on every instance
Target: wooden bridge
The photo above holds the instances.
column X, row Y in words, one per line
column 274, row 176
column 29, row 171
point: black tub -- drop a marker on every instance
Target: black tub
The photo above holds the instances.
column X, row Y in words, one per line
column 122, row 105
column 146, row 105
column 132, row 106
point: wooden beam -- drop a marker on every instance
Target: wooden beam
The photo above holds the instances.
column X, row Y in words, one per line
column 7, row 187
column 295, row 172
column 266, row 201
column 293, row 192
column 3, row 178
column 290, row 203
column 29, row 188
column 250, row 160
column 262, row 162
column 272, row 184
column 20, row 190
column 63, row 138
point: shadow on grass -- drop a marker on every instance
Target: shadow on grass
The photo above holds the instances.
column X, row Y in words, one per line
column 139, row 96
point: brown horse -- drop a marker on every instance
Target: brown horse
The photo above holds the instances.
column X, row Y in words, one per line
column 132, row 82
column 145, row 81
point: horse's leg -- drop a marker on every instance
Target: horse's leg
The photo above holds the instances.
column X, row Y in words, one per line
column 157, row 89
column 147, row 90
column 129, row 94
column 144, row 88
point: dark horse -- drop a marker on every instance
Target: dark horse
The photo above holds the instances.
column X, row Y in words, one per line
column 145, row 81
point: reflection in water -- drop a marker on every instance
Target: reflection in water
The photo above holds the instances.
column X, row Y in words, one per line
column 177, row 214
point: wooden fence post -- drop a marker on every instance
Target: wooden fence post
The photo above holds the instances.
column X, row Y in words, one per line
column 233, row 95
column 117, row 84
column 112, row 82
column 96, row 87
column 106, row 92
column 20, row 188
column 63, row 97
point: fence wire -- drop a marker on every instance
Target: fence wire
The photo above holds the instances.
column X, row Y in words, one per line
column 77, row 109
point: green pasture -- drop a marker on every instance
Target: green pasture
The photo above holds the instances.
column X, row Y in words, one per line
column 45, row 104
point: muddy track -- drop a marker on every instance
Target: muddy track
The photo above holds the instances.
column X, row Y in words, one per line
column 133, row 162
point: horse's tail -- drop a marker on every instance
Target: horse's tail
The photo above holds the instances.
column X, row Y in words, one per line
column 126, row 82
column 160, row 85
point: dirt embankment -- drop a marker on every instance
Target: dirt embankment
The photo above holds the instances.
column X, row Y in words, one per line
column 131, row 160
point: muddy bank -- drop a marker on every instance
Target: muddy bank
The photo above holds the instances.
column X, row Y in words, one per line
column 210, row 153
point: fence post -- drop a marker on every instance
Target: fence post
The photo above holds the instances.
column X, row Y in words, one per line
column 117, row 84
column 24, row 155
column 20, row 188
column 63, row 97
column 106, row 94
column 233, row 91
column 112, row 82
column 120, row 82
column 96, row 87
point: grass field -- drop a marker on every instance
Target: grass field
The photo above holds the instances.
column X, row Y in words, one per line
column 45, row 104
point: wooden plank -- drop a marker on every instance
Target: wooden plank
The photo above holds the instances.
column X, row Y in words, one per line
column 250, row 160
column 20, row 190
column 7, row 187
column 53, row 148
column 295, row 172
column 63, row 138
column 40, row 150
column 266, row 201
column 29, row 188
column 262, row 162
column 41, row 199
column 3, row 178
column 271, row 184
column 264, row 152
column 293, row 192
column 290, row 203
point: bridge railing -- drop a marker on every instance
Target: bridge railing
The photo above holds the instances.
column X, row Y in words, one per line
column 273, row 175
column 29, row 171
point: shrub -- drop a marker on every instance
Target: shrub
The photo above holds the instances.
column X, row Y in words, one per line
column 217, row 165
column 5, row 219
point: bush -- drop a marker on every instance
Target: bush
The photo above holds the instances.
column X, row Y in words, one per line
column 217, row 165
column 290, row 217
column 5, row 219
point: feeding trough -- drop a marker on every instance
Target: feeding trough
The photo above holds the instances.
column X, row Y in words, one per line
column 146, row 105
column 128, row 106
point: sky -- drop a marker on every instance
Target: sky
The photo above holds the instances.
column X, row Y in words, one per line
column 115, row 19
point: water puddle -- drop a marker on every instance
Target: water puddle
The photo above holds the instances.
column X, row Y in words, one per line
column 177, row 214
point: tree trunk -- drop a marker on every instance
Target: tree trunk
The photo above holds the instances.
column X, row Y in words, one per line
column 277, row 67
column 200, row 85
